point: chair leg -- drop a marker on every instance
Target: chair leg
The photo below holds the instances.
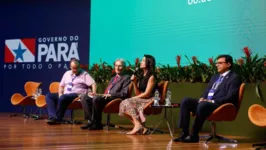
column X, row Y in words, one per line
column 109, row 124
column 41, row 114
column 225, row 139
column 150, row 130
column 72, row 121
column 153, row 129
column 26, row 114
column 215, row 136
column 209, row 138
column 34, row 115
column 108, row 121
column 22, row 113
column 205, row 136
column 72, row 116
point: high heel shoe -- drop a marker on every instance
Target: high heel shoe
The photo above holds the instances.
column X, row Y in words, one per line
column 145, row 131
column 136, row 131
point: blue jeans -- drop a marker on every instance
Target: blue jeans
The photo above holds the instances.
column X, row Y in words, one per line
column 57, row 106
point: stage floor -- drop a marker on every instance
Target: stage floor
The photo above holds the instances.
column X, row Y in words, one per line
column 19, row 133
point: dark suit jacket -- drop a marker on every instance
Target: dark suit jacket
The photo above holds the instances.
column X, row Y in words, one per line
column 120, row 87
column 227, row 91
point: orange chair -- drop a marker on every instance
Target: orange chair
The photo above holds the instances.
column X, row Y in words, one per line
column 53, row 88
column 113, row 107
column 76, row 104
column 18, row 99
column 148, row 110
column 40, row 100
column 257, row 115
column 226, row 112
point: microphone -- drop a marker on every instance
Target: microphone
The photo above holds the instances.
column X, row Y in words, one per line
column 135, row 71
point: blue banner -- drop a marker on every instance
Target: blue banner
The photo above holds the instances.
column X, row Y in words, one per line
column 37, row 41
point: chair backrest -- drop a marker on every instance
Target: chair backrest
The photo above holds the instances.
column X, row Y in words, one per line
column 257, row 115
column 31, row 87
column 162, row 88
column 241, row 94
column 228, row 111
column 54, row 86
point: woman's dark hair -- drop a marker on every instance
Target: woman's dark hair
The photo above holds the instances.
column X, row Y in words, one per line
column 150, row 64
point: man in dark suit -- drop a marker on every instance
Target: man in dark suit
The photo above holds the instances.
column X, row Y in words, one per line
column 93, row 105
column 222, row 88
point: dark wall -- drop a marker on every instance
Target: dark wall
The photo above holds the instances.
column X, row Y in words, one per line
column 49, row 33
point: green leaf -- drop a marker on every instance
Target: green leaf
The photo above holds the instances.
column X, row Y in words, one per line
column 188, row 59
column 258, row 92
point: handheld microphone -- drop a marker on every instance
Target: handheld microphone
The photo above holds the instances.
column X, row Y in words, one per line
column 134, row 71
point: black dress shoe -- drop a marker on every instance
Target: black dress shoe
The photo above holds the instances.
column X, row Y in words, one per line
column 86, row 126
column 96, row 127
column 182, row 136
column 191, row 139
column 54, row 121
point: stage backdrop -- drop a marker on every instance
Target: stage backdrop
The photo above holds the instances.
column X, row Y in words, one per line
column 166, row 28
column 37, row 40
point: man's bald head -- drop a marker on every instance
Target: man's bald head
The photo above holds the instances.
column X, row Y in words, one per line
column 75, row 66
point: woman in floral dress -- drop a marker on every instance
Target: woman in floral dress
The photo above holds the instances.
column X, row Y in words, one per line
column 144, row 88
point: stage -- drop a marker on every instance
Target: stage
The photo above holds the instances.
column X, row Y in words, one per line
column 19, row 133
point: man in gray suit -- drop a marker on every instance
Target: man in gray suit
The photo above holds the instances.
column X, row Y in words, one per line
column 93, row 104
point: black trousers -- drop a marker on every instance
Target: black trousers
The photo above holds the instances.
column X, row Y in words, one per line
column 202, row 110
column 93, row 108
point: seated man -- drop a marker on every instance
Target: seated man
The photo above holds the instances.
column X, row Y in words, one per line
column 74, row 83
column 94, row 104
column 222, row 88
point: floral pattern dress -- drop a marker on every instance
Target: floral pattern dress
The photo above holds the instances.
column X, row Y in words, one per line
column 134, row 106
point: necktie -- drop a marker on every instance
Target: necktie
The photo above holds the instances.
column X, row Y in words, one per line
column 217, row 82
column 214, row 87
column 111, row 84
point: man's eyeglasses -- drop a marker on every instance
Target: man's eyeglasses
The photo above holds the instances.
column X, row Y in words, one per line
column 118, row 65
column 219, row 63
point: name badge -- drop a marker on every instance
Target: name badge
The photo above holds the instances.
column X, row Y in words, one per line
column 70, row 86
column 211, row 92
